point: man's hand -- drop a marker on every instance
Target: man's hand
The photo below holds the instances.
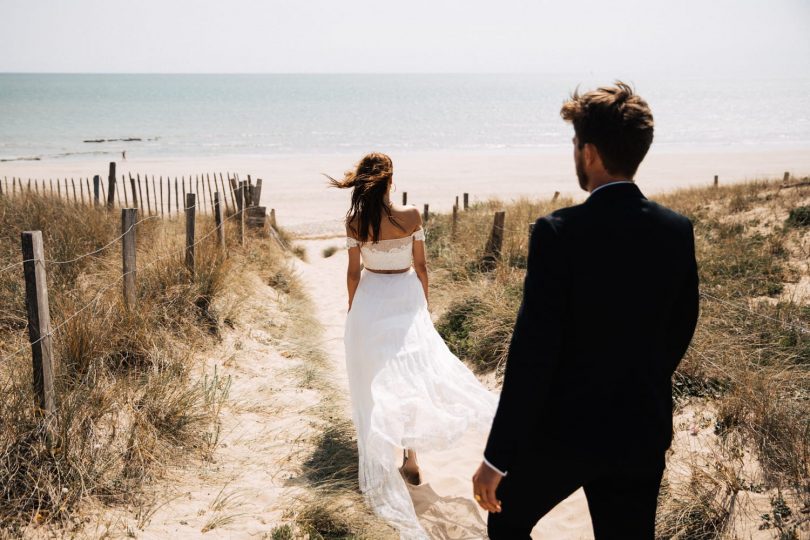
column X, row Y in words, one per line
column 485, row 482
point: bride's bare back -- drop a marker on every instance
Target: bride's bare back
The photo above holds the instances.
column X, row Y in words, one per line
column 407, row 218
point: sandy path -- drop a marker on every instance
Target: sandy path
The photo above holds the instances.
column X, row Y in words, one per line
column 266, row 422
column 443, row 502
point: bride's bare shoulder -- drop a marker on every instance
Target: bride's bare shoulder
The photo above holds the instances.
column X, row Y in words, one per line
column 409, row 216
column 351, row 227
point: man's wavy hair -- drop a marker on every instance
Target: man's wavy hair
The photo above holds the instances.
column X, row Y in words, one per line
column 617, row 121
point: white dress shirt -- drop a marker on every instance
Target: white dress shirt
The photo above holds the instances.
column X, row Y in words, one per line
column 611, row 184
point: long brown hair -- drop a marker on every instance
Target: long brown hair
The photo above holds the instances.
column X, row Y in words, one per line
column 369, row 182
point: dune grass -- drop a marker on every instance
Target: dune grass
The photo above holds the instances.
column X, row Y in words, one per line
column 749, row 359
column 128, row 401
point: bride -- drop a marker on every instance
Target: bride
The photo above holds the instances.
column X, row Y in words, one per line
column 409, row 393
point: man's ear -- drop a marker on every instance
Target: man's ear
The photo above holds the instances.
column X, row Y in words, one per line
column 591, row 155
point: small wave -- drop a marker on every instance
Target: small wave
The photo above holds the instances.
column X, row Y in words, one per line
column 22, row 158
column 122, row 139
column 90, row 153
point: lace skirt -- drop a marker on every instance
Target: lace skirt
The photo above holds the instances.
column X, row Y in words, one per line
column 407, row 390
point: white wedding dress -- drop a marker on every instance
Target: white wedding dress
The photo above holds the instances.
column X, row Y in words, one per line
column 407, row 389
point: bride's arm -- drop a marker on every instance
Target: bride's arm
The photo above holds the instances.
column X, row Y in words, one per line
column 353, row 273
column 420, row 264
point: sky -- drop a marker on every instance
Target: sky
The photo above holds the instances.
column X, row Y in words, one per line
column 688, row 37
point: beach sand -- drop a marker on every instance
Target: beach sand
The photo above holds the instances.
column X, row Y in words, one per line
column 295, row 187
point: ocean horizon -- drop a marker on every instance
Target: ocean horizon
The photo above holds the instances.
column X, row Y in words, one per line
column 57, row 117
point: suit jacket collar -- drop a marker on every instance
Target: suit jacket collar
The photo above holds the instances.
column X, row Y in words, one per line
column 620, row 190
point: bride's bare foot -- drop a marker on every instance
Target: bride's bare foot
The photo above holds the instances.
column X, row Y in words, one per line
column 410, row 468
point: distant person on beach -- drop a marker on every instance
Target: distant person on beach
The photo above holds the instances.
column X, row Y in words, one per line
column 124, row 155
column 610, row 304
column 408, row 391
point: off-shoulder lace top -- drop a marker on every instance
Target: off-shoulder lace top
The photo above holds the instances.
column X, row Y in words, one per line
column 393, row 254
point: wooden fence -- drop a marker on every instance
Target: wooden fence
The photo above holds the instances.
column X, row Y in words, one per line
column 153, row 196
column 243, row 196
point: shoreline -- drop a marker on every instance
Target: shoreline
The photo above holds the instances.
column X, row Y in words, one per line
column 295, row 187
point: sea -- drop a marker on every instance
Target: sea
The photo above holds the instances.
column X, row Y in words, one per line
column 79, row 116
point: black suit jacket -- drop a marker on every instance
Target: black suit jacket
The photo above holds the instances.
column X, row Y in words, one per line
column 610, row 304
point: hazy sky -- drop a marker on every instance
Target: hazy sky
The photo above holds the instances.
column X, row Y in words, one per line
column 671, row 37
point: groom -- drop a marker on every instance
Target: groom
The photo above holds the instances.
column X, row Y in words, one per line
column 610, row 304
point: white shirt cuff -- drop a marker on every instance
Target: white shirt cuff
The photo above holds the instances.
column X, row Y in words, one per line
column 494, row 468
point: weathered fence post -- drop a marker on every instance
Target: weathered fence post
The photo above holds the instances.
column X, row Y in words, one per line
column 111, row 187
column 786, row 177
column 96, row 190
column 148, row 198
column 426, row 213
column 73, row 185
column 161, row 195
column 140, row 191
column 240, row 198
column 154, row 193
column 556, row 196
column 404, row 198
column 129, row 217
column 210, row 193
column 191, row 206
column 224, row 191
column 716, row 180
column 492, row 252
column 466, row 201
column 39, row 318
column 232, row 187
column 218, row 219
column 456, row 201
column 248, row 193
column 455, row 219
column 257, row 193
column 240, row 201
column 273, row 218
column 134, row 193
column 176, row 197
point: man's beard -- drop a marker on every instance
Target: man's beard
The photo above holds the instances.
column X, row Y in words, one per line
column 582, row 176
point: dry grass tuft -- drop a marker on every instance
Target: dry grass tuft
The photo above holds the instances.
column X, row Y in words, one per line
column 329, row 251
column 700, row 510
